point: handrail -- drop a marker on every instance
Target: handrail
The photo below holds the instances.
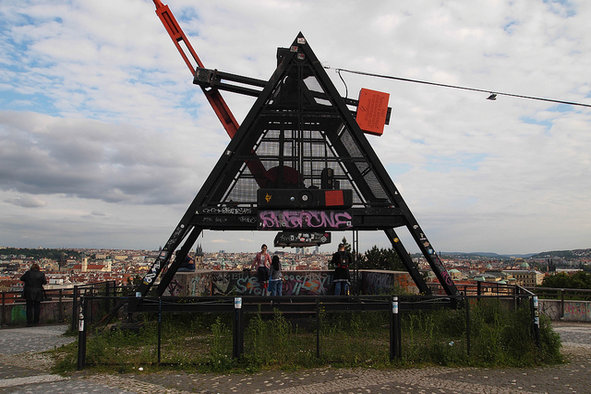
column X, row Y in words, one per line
column 571, row 290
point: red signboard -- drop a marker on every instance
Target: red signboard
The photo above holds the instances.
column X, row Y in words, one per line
column 372, row 110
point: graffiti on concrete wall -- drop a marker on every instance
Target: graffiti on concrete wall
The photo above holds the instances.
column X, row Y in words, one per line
column 174, row 288
column 189, row 284
column 229, row 283
column 577, row 311
column 573, row 310
column 200, row 285
column 309, row 282
column 384, row 282
column 377, row 282
column 294, row 283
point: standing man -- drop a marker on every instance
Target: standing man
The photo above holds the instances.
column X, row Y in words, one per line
column 33, row 292
column 262, row 262
column 341, row 261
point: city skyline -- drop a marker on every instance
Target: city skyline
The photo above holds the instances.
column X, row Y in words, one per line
column 105, row 140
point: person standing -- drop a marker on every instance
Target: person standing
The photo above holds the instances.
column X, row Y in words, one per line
column 33, row 292
column 341, row 261
column 275, row 279
column 261, row 262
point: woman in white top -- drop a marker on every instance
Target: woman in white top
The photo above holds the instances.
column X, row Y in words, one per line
column 261, row 262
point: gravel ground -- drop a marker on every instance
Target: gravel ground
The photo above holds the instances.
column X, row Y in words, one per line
column 24, row 370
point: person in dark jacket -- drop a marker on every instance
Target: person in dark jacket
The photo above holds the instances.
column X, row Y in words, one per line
column 275, row 277
column 33, row 292
column 341, row 261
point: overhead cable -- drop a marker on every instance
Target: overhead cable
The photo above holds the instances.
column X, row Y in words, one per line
column 492, row 93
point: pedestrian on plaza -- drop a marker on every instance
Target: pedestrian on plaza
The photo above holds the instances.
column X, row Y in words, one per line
column 261, row 262
column 276, row 280
column 33, row 292
column 341, row 261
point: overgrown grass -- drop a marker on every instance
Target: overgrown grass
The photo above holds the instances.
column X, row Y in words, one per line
column 499, row 336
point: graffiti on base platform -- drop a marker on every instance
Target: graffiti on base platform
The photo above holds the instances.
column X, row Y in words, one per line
column 377, row 283
column 174, row 288
column 294, row 283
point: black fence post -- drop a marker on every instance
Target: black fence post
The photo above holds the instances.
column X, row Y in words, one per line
column 317, row 328
column 467, row 302
column 237, row 337
column 561, row 304
column 159, row 327
column 2, row 316
column 74, row 307
column 82, row 334
column 478, row 290
column 395, row 340
column 107, row 301
column 536, row 320
column 88, row 312
column 60, row 313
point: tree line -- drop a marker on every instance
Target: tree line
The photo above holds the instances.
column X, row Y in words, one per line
column 578, row 280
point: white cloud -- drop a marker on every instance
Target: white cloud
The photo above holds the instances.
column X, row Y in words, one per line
column 26, row 201
column 105, row 136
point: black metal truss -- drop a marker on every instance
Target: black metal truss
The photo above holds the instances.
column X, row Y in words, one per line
column 287, row 106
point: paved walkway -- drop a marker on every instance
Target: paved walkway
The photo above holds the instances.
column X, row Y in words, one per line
column 24, row 370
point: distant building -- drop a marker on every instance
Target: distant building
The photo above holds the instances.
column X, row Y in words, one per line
column 85, row 267
column 455, row 274
column 526, row 278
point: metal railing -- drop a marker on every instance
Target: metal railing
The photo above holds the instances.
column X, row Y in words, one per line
column 60, row 296
column 312, row 306
column 16, row 297
column 107, row 289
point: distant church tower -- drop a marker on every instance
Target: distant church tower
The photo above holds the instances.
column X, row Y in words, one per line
column 84, row 264
column 198, row 257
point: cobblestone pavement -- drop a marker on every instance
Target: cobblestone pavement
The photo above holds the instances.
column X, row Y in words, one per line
column 22, row 370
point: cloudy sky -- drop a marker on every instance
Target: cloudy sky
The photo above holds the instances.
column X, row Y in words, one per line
column 104, row 140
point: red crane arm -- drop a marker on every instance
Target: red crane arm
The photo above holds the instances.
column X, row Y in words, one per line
column 213, row 95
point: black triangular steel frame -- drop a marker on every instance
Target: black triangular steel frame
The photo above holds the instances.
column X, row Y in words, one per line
column 208, row 211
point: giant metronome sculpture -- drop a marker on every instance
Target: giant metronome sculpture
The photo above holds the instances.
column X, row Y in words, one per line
column 299, row 162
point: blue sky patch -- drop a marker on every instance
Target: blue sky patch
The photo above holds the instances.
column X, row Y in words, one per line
column 11, row 100
column 561, row 7
column 546, row 123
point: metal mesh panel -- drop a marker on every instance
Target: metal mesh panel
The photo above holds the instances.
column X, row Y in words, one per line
column 298, row 137
column 243, row 190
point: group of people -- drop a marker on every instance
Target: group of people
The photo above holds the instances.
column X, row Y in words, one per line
column 271, row 279
column 268, row 272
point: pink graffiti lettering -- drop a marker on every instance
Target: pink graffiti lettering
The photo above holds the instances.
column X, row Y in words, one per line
column 305, row 219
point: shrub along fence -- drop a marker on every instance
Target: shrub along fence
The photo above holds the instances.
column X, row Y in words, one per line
column 217, row 333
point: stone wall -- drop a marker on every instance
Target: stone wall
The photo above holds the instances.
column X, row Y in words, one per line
column 573, row 310
column 51, row 312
